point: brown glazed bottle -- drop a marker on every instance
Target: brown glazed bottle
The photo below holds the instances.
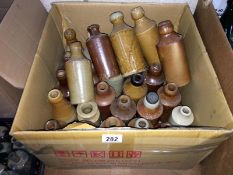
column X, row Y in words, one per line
column 140, row 123
column 123, row 108
column 126, row 46
column 104, row 97
column 63, row 111
column 79, row 76
column 101, row 52
column 70, row 36
column 135, row 87
column 154, row 77
column 112, row 122
column 172, row 55
column 89, row 112
column 63, row 87
column 150, row 108
column 147, row 33
column 170, row 97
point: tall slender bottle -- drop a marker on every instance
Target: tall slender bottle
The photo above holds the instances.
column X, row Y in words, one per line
column 154, row 77
column 172, row 55
column 150, row 107
column 101, row 52
column 63, row 111
column 126, row 46
column 147, row 33
column 135, row 87
column 170, row 97
column 104, row 97
column 79, row 76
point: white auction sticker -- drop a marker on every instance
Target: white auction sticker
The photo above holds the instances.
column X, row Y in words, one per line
column 112, row 138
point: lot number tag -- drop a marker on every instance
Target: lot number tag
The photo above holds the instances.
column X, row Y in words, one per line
column 111, row 138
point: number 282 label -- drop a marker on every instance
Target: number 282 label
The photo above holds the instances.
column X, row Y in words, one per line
column 111, row 138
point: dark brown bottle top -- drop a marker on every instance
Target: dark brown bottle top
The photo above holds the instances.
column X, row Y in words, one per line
column 155, row 69
column 52, row 125
column 70, row 36
column 165, row 27
column 93, row 29
column 61, row 75
column 137, row 79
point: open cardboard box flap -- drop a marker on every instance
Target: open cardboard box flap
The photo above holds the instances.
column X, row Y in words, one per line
column 163, row 148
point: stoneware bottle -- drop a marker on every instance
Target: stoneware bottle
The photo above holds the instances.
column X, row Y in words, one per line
column 112, row 122
column 117, row 83
column 140, row 123
column 150, row 108
column 63, row 111
column 147, row 33
column 154, row 77
column 123, row 108
column 135, row 87
column 79, row 76
column 101, row 52
column 104, row 96
column 181, row 116
column 89, row 112
column 70, row 36
column 126, row 46
column 170, row 97
column 172, row 55
column 52, row 125
column 63, row 86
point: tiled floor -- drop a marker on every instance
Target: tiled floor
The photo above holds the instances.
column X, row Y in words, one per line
column 194, row 171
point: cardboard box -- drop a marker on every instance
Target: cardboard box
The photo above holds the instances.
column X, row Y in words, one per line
column 20, row 31
column 171, row 148
column 221, row 56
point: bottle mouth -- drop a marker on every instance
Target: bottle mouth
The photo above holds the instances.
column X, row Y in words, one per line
column 137, row 79
column 124, row 102
column 155, row 69
column 54, row 94
column 141, row 123
column 102, row 87
column 171, row 89
column 87, row 109
column 70, row 34
column 185, row 111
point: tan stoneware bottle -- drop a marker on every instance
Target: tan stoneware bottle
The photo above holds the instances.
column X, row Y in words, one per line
column 154, row 77
column 135, row 87
column 117, row 83
column 79, row 76
column 63, row 87
column 63, row 111
column 123, row 108
column 147, row 33
column 172, row 55
column 52, row 125
column 140, row 123
column 126, row 46
column 104, row 96
column 70, row 36
column 89, row 112
column 150, row 108
column 170, row 97
column 112, row 122
column 181, row 116
column 101, row 53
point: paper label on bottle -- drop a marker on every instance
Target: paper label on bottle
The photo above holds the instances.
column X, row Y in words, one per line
column 112, row 138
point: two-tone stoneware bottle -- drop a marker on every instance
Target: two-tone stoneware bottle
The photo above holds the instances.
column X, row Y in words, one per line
column 102, row 54
column 123, row 108
column 154, row 77
column 112, row 122
column 135, row 87
column 147, row 33
column 79, row 76
column 170, row 97
column 104, row 96
column 63, row 111
column 126, row 46
column 172, row 55
column 150, row 107
column 89, row 112
column 140, row 123
column 181, row 116
column 70, row 36
column 63, row 86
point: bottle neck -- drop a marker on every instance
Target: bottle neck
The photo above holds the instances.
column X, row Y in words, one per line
column 155, row 70
column 171, row 89
column 124, row 102
column 102, row 88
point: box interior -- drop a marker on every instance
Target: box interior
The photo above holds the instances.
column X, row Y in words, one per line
column 204, row 94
